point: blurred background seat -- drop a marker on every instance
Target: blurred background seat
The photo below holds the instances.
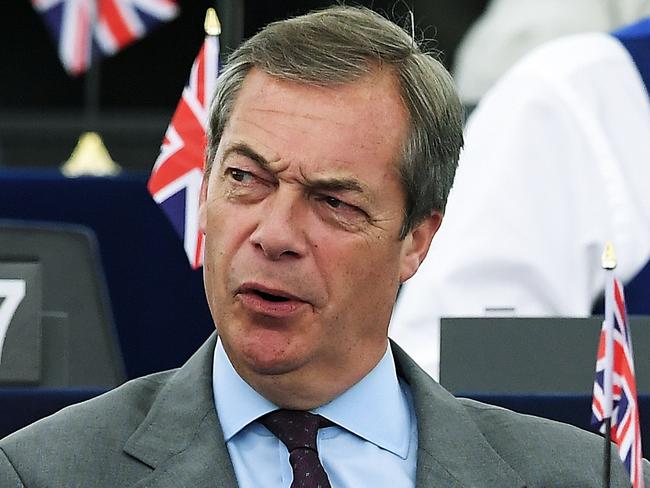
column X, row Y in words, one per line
column 56, row 325
column 158, row 303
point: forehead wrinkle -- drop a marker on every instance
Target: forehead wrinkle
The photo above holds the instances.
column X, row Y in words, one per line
column 275, row 132
column 286, row 112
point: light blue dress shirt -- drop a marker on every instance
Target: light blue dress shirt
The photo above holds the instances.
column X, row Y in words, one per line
column 375, row 445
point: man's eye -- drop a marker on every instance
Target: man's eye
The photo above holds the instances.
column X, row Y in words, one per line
column 333, row 202
column 339, row 205
column 240, row 175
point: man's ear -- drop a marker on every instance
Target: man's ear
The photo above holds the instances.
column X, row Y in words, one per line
column 203, row 197
column 416, row 245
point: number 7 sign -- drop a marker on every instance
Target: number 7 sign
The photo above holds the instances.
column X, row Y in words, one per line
column 21, row 334
column 12, row 293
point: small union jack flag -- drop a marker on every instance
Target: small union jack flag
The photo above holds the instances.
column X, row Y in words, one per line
column 617, row 398
column 83, row 29
column 175, row 182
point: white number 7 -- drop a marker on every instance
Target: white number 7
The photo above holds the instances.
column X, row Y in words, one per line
column 13, row 292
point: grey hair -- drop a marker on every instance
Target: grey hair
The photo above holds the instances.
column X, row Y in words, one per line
column 342, row 44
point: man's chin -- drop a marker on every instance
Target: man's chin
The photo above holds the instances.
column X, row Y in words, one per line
column 267, row 352
column 273, row 367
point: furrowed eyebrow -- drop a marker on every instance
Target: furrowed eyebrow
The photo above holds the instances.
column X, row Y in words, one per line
column 334, row 185
column 248, row 152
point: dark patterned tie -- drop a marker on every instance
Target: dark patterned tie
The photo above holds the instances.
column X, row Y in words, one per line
column 297, row 430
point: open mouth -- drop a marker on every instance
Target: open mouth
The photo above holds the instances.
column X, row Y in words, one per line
column 270, row 301
column 270, row 297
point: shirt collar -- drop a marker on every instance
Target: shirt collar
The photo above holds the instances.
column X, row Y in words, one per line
column 237, row 403
column 376, row 408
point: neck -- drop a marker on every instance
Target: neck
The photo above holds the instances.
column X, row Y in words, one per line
column 309, row 388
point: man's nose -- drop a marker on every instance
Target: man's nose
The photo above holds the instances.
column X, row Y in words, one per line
column 280, row 231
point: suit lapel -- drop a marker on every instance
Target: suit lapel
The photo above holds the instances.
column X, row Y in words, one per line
column 452, row 452
column 181, row 438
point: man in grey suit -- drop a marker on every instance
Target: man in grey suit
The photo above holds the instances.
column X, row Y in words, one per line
column 333, row 145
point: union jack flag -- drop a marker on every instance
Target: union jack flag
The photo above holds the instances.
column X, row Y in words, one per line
column 175, row 181
column 621, row 403
column 83, row 29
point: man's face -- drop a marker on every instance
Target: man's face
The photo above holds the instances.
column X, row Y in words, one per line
column 302, row 212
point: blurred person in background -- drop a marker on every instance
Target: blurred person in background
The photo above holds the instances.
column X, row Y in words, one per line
column 556, row 163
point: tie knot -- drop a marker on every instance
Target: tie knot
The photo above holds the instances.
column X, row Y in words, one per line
column 295, row 428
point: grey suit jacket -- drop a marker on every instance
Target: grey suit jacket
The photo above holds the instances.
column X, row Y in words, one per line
column 162, row 431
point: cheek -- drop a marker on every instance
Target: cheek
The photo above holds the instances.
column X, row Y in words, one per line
column 225, row 228
column 369, row 265
column 221, row 243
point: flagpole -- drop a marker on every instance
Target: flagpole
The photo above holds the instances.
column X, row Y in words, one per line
column 91, row 94
column 92, row 78
column 607, row 455
column 90, row 156
column 608, row 264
